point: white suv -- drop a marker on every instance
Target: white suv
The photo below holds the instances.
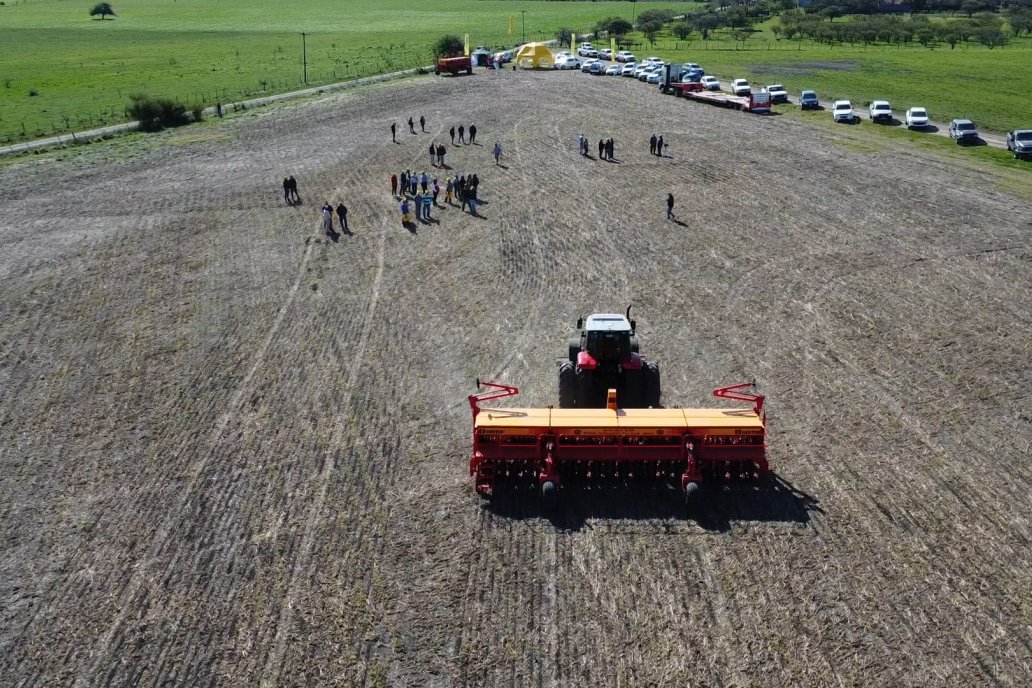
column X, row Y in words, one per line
column 625, row 56
column 842, row 111
column 881, row 111
column 741, row 87
column 587, row 50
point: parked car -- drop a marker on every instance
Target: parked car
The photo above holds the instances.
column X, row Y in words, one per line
column 642, row 66
column 652, row 59
column 777, row 93
column 628, row 69
column 741, row 87
column 567, row 62
column 614, row 70
column 587, row 50
column 592, row 67
column 625, row 56
column 710, row 83
column 606, row 53
column 880, row 111
column 808, row 100
column 962, row 130
column 1019, row 142
column 654, row 76
column 917, row 118
column 653, row 69
column 842, row 111
column 693, row 67
column 691, row 74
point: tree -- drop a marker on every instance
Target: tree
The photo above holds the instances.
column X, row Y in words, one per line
column 651, row 30
column 618, row 27
column 991, row 37
column 448, row 46
column 654, row 16
column 565, row 37
column 104, row 9
column 1020, row 20
column 681, row 29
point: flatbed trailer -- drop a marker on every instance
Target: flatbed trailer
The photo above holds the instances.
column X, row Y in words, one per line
column 754, row 102
column 543, row 447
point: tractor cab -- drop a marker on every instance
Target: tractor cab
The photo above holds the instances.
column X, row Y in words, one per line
column 607, row 337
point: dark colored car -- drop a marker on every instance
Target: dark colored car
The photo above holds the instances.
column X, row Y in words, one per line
column 1019, row 142
column 962, row 130
column 808, row 100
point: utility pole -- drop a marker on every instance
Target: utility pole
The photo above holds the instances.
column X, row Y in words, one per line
column 304, row 56
column 524, row 13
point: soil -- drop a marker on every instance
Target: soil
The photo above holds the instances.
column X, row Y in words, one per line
column 234, row 451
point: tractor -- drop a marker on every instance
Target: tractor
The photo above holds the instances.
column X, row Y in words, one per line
column 605, row 356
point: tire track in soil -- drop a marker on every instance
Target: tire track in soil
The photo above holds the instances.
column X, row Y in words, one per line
column 274, row 665
column 102, row 649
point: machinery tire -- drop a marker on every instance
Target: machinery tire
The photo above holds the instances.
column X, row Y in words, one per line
column 574, row 349
column 634, row 345
column 567, row 385
column 549, row 494
column 632, row 389
column 469, row 70
column 585, row 387
column 651, row 389
column 693, row 497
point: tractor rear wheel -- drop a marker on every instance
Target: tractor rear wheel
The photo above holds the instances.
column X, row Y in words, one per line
column 634, row 345
column 567, row 385
column 651, row 386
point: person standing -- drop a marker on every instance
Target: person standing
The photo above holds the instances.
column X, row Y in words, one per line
column 448, row 191
column 394, row 132
column 327, row 219
column 411, row 126
column 293, row 190
column 463, row 196
column 433, row 155
column 404, row 211
column 452, row 132
column 471, row 198
column 659, row 147
column 440, row 154
column 652, row 145
column 498, row 153
column 404, row 182
column 394, row 185
column 601, row 149
column 422, row 124
column 437, row 191
column 418, row 202
column 609, row 149
column 426, row 208
column 424, row 182
column 342, row 217
column 670, row 206
column 413, row 183
column 462, row 134
column 286, row 191
column 472, row 133
column 218, row 109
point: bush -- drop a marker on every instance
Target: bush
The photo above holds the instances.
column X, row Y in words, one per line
column 198, row 113
column 448, row 46
column 156, row 113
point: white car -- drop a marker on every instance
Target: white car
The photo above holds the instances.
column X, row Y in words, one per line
column 778, row 94
column 917, row 118
column 644, row 76
column 842, row 111
column 593, row 67
column 628, row 69
column 625, row 56
column 710, row 83
column 741, row 87
column 652, row 59
column 605, row 54
column 614, row 70
column 567, row 62
column 587, row 51
column 655, row 76
column 881, row 111
column 642, row 66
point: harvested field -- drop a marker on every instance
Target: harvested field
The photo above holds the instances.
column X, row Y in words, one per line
column 234, row 453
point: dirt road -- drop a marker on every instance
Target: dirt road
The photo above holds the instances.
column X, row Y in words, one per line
column 233, row 452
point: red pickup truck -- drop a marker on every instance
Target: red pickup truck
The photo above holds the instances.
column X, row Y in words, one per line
column 454, row 65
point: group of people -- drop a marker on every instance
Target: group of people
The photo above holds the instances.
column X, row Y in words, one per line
column 327, row 218
column 290, row 194
column 656, row 145
column 411, row 126
column 605, row 147
column 462, row 134
column 423, row 194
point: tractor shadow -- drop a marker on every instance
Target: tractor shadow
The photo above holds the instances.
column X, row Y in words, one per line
column 776, row 501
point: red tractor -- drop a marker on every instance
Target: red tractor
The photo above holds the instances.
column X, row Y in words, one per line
column 605, row 357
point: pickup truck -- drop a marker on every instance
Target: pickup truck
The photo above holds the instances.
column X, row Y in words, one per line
column 778, row 94
column 740, row 87
column 881, row 111
column 1019, row 142
column 454, row 65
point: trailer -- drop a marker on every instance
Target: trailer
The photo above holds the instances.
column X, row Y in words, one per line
column 754, row 102
column 544, row 448
column 454, row 65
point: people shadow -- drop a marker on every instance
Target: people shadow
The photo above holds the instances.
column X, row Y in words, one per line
column 333, row 236
column 681, row 223
column 410, row 226
column 504, row 167
column 717, row 506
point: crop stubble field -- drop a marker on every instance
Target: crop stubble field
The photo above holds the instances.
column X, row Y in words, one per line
column 234, row 453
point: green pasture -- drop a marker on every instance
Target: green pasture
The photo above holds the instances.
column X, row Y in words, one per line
column 987, row 86
column 83, row 69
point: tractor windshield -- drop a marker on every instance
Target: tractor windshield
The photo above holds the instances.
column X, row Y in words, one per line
column 609, row 346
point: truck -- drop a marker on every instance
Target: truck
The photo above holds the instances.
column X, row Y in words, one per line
column 676, row 80
column 454, row 65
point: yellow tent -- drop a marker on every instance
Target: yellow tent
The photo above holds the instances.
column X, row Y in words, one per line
column 534, row 56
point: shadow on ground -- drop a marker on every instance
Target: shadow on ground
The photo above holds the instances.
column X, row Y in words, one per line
column 776, row 500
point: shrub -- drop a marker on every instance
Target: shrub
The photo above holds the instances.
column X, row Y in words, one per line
column 198, row 113
column 156, row 113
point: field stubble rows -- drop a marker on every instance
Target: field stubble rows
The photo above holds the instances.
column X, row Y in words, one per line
column 234, row 452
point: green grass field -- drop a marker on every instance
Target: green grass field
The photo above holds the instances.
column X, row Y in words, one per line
column 988, row 86
column 84, row 69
